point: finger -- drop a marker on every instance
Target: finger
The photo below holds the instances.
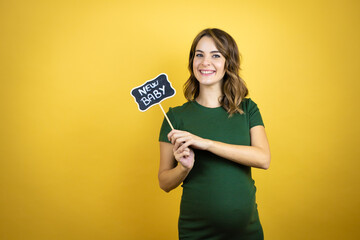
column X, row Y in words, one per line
column 174, row 137
column 180, row 141
column 175, row 134
column 184, row 153
column 185, row 145
column 187, row 153
column 177, row 145
column 170, row 134
column 178, row 156
column 178, row 151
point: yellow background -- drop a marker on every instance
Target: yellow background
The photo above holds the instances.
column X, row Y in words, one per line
column 78, row 160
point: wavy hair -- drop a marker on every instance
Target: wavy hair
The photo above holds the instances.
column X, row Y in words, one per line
column 234, row 87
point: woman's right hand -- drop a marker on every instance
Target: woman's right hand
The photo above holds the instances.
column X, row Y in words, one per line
column 186, row 157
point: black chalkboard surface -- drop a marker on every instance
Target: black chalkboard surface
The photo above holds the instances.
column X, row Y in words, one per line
column 153, row 92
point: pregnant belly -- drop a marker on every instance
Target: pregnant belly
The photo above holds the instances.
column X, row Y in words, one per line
column 221, row 208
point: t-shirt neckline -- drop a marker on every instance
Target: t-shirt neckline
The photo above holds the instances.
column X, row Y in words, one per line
column 206, row 108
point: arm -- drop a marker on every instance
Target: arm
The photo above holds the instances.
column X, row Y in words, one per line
column 171, row 174
column 257, row 155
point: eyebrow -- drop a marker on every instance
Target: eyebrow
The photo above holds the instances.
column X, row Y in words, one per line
column 215, row 51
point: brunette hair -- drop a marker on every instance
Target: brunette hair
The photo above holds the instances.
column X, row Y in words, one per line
column 234, row 87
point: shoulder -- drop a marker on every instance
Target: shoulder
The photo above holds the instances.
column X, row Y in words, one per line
column 248, row 104
column 179, row 114
column 181, row 109
column 253, row 113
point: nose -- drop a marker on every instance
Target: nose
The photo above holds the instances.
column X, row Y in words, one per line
column 205, row 61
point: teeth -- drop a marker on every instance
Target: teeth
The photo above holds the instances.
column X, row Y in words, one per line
column 206, row 72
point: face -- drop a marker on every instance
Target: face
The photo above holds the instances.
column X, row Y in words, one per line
column 209, row 63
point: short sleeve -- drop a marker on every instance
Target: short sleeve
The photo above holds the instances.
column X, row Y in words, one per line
column 254, row 114
column 165, row 127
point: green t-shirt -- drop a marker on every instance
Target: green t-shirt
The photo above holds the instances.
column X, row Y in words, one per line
column 218, row 200
column 193, row 116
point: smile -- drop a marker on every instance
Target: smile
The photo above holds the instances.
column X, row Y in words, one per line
column 206, row 72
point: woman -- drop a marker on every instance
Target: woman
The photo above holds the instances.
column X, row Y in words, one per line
column 219, row 135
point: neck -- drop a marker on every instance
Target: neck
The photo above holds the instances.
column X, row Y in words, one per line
column 209, row 96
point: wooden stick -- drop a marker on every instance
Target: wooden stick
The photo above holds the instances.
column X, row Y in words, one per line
column 166, row 117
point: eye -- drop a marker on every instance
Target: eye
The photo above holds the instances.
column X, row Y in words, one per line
column 216, row 56
column 199, row 55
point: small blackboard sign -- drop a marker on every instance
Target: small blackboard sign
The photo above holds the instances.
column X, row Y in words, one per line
column 153, row 92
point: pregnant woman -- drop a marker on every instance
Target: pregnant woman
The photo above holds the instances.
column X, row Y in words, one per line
column 219, row 135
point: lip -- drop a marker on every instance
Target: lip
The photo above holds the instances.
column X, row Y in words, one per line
column 206, row 72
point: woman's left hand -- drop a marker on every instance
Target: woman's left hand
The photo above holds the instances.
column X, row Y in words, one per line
column 183, row 139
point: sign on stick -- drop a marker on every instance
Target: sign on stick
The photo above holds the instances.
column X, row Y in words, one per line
column 153, row 92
